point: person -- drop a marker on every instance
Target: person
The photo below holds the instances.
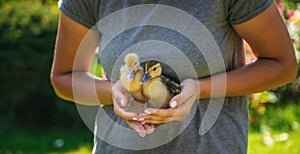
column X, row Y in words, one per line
column 258, row 22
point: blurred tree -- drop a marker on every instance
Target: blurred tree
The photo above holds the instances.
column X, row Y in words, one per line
column 269, row 107
column 28, row 31
column 43, row 2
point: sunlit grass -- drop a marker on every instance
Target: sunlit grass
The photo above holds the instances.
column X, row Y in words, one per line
column 274, row 142
column 35, row 141
column 81, row 142
column 82, row 149
column 259, row 143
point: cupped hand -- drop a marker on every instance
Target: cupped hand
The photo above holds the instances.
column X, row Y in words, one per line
column 180, row 104
column 121, row 98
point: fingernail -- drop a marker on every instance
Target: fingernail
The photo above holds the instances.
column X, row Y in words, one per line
column 122, row 102
column 150, row 111
column 143, row 135
column 143, row 123
column 134, row 118
column 173, row 104
column 150, row 131
column 147, row 111
column 141, row 119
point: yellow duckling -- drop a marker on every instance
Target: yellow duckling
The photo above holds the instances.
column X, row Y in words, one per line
column 130, row 74
column 157, row 89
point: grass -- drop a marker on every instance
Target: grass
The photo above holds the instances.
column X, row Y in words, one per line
column 31, row 141
column 25, row 140
column 274, row 142
column 278, row 133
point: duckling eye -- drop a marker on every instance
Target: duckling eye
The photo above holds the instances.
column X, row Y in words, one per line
column 135, row 63
column 154, row 69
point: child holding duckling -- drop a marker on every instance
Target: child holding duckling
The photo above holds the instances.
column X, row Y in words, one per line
column 228, row 22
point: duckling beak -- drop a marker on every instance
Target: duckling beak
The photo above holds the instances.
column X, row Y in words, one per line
column 130, row 75
column 145, row 77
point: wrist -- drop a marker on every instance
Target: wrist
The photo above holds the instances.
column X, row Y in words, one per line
column 203, row 88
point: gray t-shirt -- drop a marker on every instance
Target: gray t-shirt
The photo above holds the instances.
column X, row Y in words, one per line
column 192, row 39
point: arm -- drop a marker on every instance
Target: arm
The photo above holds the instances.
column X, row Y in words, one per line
column 275, row 65
column 70, row 77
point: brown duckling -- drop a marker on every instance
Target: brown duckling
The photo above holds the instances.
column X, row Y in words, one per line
column 157, row 89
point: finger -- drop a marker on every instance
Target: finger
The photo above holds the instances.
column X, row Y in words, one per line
column 121, row 102
column 180, row 114
column 120, row 95
column 138, row 127
column 183, row 96
column 154, row 122
column 170, row 114
column 160, row 115
column 187, row 105
column 151, row 118
column 121, row 112
column 149, row 128
column 158, row 120
column 183, row 110
column 160, row 112
column 175, row 101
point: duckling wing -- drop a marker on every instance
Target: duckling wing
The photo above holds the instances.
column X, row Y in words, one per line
column 172, row 86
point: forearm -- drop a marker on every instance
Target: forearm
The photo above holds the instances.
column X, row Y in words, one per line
column 260, row 75
column 82, row 88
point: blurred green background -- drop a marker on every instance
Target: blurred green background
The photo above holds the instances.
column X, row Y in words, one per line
column 34, row 120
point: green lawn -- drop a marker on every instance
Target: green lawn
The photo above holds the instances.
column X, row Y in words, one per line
column 80, row 142
column 274, row 143
column 24, row 140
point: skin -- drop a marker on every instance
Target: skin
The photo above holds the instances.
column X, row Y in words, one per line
column 266, row 34
column 68, row 49
column 276, row 65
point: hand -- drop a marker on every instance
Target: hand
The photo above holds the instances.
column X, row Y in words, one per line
column 120, row 101
column 181, row 105
column 141, row 129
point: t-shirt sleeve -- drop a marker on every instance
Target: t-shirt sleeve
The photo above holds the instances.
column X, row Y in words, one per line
column 240, row 11
column 85, row 12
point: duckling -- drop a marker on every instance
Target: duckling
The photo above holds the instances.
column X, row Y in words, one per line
column 157, row 89
column 130, row 74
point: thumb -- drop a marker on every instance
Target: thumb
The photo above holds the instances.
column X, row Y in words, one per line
column 123, row 101
column 175, row 101
column 178, row 99
column 120, row 94
column 138, row 127
column 121, row 98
